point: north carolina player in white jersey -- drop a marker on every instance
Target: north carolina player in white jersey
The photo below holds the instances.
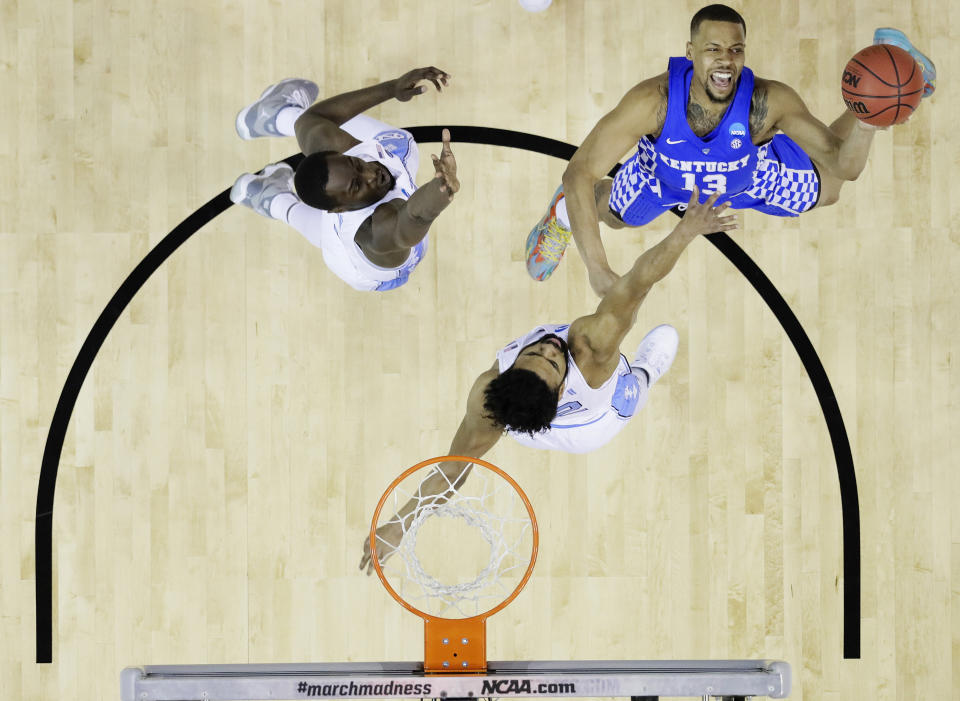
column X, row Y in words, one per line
column 354, row 195
column 586, row 417
column 568, row 387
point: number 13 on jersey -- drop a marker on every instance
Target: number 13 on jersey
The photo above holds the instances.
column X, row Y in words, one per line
column 715, row 182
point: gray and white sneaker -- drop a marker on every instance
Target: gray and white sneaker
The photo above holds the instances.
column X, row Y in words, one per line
column 257, row 190
column 260, row 118
column 656, row 352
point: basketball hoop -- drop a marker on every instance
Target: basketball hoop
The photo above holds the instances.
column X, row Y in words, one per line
column 489, row 520
column 456, row 521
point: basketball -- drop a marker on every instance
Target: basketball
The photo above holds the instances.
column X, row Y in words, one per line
column 882, row 85
column 535, row 5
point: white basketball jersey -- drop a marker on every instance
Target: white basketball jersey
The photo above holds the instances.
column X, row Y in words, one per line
column 587, row 417
column 335, row 236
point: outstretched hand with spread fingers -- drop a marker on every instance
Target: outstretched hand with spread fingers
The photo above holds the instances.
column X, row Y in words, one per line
column 706, row 218
column 407, row 84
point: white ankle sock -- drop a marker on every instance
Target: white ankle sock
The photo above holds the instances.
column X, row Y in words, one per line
column 281, row 204
column 286, row 118
column 641, row 374
column 562, row 213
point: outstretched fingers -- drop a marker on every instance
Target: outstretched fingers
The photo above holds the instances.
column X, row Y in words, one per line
column 445, row 166
column 727, row 223
column 436, row 76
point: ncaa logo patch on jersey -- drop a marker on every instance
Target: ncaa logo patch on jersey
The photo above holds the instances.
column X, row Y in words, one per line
column 737, row 129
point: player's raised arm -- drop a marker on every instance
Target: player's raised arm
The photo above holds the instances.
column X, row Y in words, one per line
column 402, row 224
column 605, row 329
column 477, row 435
column 318, row 129
column 842, row 158
column 638, row 114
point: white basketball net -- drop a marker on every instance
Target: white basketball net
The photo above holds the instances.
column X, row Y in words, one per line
column 476, row 540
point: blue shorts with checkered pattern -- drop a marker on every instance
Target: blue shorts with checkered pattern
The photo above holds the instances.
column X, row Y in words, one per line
column 785, row 184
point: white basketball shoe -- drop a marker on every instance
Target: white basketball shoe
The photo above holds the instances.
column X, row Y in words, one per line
column 257, row 190
column 656, row 352
column 260, row 118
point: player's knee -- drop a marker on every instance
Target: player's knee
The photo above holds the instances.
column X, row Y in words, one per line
column 853, row 175
column 610, row 219
column 601, row 193
column 830, row 194
column 829, row 191
column 828, row 198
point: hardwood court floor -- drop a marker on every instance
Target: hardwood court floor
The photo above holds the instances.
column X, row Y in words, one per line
column 247, row 410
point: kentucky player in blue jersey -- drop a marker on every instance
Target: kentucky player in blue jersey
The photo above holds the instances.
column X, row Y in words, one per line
column 707, row 122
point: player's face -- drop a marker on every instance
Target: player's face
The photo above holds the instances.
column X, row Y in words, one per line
column 547, row 358
column 717, row 54
column 356, row 183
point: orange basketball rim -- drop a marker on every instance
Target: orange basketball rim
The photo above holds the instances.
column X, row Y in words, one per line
column 454, row 645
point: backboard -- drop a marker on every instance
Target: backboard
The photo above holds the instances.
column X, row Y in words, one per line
column 396, row 680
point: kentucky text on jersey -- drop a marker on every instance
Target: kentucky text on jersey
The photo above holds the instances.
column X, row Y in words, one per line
column 704, row 166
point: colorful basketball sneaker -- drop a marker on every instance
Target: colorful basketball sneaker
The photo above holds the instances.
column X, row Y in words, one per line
column 260, row 118
column 547, row 242
column 895, row 37
column 257, row 190
column 656, row 352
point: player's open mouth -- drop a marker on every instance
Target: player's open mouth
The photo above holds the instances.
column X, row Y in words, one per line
column 721, row 79
column 555, row 342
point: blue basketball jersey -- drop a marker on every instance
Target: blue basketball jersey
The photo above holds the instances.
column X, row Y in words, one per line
column 723, row 160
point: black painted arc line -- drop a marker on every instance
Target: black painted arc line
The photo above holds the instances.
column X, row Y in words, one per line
column 849, row 501
column 462, row 134
column 43, row 535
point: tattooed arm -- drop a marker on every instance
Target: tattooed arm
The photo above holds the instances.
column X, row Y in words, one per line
column 759, row 129
column 664, row 92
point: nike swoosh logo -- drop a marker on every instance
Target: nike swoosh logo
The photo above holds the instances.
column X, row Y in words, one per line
column 678, row 141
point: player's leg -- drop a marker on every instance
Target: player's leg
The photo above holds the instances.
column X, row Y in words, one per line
column 271, row 194
column 632, row 198
column 548, row 240
column 830, row 186
column 785, row 182
column 266, row 192
column 601, row 192
column 276, row 110
column 895, row 37
column 653, row 358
